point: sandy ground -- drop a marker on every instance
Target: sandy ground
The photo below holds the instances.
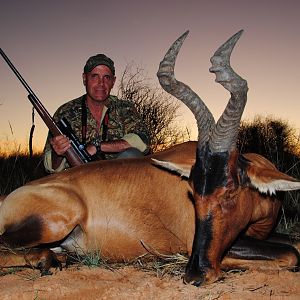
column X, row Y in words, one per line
column 131, row 283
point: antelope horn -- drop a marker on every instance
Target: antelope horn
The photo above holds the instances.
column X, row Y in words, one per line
column 225, row 133
column 166, row 77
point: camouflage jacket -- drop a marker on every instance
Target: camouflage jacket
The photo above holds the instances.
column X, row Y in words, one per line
column 123, row 123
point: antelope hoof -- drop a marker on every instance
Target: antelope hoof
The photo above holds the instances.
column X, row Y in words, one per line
column 47, row 261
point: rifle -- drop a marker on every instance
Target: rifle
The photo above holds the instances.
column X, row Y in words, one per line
column 76, row 155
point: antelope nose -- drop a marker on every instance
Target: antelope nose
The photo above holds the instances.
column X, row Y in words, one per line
column 196, row 283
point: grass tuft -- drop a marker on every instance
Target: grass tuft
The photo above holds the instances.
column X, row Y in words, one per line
column 173, row 265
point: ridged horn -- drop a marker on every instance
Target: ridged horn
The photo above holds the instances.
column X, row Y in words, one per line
column 166, row 77
column 225, row 133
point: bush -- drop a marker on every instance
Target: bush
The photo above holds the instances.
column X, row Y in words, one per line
column 17, row 169
column 278, row 142
column 158, row 110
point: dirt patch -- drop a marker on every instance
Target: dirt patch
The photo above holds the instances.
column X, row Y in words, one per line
column 131, row 283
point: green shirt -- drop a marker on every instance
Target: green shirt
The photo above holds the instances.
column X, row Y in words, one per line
column 124, row 122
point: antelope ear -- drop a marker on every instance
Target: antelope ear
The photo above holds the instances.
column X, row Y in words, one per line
column 183, row 170
column 269, row 181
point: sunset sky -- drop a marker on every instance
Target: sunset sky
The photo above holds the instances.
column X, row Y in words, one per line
column 50, row 41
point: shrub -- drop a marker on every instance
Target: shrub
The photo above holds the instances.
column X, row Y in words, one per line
column 278, row 142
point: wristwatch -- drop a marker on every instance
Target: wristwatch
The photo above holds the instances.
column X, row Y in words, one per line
column 97, row 144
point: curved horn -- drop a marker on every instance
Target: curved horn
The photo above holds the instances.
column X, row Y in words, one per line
column 166, row 77
column 225, row 132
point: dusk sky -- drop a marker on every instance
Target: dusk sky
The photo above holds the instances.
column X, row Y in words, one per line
column 50, row 41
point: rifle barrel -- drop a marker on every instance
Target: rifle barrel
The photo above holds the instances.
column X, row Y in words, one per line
column 33, row 98
column 27, row 87
column 73, row 155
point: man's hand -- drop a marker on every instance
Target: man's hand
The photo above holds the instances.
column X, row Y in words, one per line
column 60, row 144
column 91, row 149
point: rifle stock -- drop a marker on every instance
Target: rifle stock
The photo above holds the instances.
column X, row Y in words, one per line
column 76, row 155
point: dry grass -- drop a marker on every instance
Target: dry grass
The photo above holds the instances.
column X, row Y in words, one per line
column 173, row 265
column 153, row 261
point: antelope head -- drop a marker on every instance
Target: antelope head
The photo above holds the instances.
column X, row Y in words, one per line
column 214, row 177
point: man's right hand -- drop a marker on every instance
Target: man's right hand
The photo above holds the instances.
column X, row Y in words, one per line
column 60, row 144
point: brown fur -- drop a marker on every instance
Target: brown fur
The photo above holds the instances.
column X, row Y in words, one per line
column 234, row 208
column 112, row 205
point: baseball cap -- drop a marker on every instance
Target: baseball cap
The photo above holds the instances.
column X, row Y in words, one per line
column 99, row 59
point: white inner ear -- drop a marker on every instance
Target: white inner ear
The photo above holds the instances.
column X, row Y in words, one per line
column 181, row 169
column 275, row 185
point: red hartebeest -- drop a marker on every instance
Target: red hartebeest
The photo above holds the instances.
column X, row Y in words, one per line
column 112, row 205
column 227, row 187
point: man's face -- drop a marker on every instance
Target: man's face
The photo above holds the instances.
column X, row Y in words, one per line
column 98, row 83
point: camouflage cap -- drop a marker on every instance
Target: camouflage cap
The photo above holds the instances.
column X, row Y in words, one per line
column 96, row 60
